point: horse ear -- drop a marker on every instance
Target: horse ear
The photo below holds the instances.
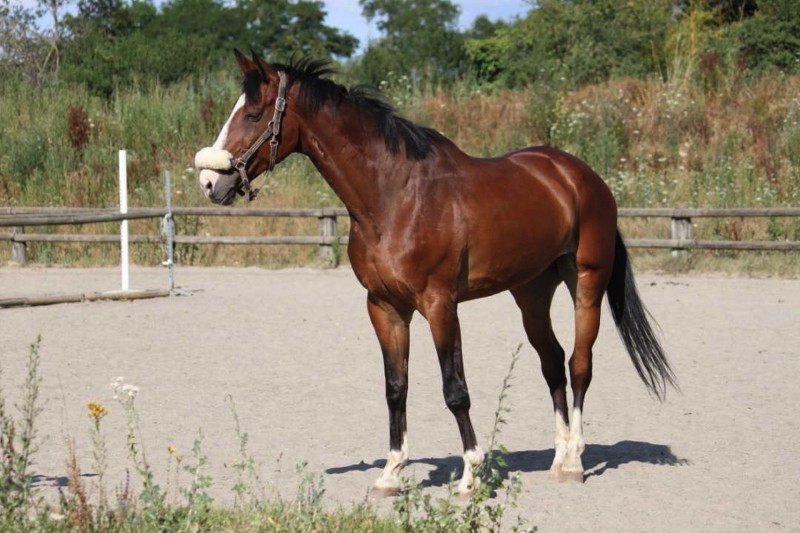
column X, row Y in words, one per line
column 245, row 64
column 266, row 70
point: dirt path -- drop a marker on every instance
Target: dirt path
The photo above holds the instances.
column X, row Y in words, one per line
column 295, row 350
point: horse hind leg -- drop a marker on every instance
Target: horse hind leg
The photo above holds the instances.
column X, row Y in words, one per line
column 534, row 300
column 587, row 281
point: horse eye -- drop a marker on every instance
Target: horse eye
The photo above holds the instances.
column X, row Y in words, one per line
column 253, row 117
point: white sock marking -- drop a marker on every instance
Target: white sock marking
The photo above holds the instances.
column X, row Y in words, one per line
column 390, row 476
column 472, row 459
column 576, row 429
column 561, row 440
column 575, row 447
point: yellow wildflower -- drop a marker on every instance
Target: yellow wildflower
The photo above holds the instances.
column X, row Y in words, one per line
column 171, row 449
column 96, row 410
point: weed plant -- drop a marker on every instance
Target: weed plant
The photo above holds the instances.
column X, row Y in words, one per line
column 18, row 445
column 484, row 510
column 151, row 509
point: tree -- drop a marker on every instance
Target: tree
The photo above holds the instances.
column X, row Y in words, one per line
column 726, row 11
column 24, row 46
column 484, row 28
column 582, row 41
column 771, row 38
column 113, row 41
column 420, row 38
column 280, row 28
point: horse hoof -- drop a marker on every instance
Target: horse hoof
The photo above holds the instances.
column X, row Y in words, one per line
column 384, row 492
column 575, row 476
column 556, row 473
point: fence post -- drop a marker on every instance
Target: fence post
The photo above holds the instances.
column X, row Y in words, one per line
column 328, row 252
column 168, row 231
column 18, row 249
column 123, row 227
column 681, row 231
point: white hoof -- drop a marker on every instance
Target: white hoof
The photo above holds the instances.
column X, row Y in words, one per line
column 469, row 482
column 388, row 491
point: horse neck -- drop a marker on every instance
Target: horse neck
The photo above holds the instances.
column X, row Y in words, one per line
column 357, row 166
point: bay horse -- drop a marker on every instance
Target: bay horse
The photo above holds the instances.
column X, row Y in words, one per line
column 432, row 227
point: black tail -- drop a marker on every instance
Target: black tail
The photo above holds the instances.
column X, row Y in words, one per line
column 631, row 318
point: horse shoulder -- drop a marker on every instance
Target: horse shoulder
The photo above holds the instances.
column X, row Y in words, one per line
column 412, row 244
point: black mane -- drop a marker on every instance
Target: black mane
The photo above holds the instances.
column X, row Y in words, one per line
column 316, row 91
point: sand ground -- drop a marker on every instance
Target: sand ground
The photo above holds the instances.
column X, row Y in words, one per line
column 295, row 351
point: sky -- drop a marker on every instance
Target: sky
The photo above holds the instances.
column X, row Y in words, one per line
column 346, row 14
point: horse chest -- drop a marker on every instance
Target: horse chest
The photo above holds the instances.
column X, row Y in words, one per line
column 383, row 276
column 384, row 271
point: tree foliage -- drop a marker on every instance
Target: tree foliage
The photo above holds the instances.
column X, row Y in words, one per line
column 420, row 38
column 25, row 49
column 771, row 37
column 109, row 42
column 566, row 43
column 581, row 40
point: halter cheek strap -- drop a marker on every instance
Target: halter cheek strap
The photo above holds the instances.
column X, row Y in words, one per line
column 272, row 132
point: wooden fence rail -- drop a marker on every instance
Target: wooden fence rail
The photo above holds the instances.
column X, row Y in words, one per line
column 17, row 218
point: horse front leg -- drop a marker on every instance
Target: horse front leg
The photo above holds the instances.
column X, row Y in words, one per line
column 391, row 327
column 440, row 311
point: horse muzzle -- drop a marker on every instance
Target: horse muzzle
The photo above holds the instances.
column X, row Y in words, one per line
column 217, row 180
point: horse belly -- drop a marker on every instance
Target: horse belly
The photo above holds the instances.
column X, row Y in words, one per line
column 509, row 265
column 515, row 240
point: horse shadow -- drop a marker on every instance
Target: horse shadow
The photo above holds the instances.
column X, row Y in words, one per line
column 55, row 481
column 597, row 460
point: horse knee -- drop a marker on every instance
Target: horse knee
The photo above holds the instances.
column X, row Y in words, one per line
column 396, row 392
column 456, row 396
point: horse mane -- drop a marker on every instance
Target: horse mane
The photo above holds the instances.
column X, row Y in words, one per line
column 317, row 91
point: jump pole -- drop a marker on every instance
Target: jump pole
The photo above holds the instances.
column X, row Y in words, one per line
column 123, row 208
column 168, row 229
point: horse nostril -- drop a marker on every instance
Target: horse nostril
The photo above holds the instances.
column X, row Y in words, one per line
column 209, row 185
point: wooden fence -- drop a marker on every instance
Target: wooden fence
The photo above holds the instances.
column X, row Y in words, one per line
column 19, row 218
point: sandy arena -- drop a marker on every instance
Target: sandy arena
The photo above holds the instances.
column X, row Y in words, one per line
column 296, row 352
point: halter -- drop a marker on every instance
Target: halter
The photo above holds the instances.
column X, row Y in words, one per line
column 273, row 130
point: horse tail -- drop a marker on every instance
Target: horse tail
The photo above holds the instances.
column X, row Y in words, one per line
column 634, row 328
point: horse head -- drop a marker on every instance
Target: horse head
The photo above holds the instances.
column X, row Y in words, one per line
column 260, row 132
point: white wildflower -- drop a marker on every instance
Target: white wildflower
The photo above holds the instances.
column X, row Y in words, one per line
column 122, row 390
column 130, row 390
column 116, row 383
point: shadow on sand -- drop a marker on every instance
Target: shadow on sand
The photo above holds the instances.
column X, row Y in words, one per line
column 55, row 481
column 597, row 460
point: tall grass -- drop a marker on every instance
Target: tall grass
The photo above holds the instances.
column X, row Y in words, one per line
column 676, row 143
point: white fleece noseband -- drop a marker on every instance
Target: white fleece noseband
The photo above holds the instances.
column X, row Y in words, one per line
column 213, row 159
